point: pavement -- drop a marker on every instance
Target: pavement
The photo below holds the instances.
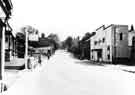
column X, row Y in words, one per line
column 129, row 69
column 126, row 68
column 12, row 75
column 61, row 76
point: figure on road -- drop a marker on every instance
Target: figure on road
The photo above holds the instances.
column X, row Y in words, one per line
column 48, row 54
column 39, row 59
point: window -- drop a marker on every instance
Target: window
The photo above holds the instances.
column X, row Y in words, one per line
column 121, row 36
column 36, row 32
column 133, row 42
column 6, row 38
column 100, row 41
column 92, row 56
column 108, row 48
column 95, row 42
column 103, row 40
column 108, row 56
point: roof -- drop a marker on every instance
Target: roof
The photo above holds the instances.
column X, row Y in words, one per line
column 43, row 42
column 103, row 26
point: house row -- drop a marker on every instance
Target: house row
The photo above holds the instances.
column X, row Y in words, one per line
column 113, row 44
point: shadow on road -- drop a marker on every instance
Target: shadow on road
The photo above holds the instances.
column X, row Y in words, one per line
column 128, row 71
column 90, row 63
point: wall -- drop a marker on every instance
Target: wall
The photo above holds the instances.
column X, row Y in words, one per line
column 122, row 50
column 130, row 36
column 103, row 39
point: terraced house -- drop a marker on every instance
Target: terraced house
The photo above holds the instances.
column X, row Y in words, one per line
column 111, row 44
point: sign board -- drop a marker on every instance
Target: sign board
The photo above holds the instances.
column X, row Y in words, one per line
column 33, row 35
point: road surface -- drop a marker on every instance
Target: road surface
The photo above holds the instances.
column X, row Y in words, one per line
column 62, row 75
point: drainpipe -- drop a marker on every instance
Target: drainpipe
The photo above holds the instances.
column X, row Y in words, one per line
column 26, row 48
column 114, row 59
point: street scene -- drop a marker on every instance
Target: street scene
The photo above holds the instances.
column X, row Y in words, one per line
column 49, row 48
column 70, row 76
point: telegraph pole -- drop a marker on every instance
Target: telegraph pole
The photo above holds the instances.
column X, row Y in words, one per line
column 26, row 48
column 2, row 57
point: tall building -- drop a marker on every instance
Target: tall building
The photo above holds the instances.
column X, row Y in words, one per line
column 110, row 44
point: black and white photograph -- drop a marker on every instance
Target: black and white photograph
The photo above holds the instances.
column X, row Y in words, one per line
column 67, row 47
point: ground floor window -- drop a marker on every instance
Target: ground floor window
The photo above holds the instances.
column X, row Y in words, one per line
column 108, row 56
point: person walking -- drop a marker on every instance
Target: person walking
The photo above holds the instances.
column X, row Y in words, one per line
column 48, row 54
column 39, row 59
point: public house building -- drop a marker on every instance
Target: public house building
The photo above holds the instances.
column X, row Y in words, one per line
column 111, row 44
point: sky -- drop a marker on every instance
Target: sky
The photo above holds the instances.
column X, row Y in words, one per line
column 70, row 17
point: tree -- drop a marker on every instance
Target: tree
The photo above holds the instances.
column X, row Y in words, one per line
column 68, row 42
column 88, row 35
column 20, row 40
column 55, row 39
column 85, row 45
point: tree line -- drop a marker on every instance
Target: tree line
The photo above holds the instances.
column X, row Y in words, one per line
column 80, row 48
column 20, row 42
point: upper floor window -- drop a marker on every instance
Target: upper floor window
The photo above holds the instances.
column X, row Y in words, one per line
column 95, row 42
column 103, row 40
column 100, row 41
column 121, row 36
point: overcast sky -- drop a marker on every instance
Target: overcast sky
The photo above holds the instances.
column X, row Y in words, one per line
column 71, row 17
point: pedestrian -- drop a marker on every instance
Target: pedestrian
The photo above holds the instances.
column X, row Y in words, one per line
column 29, row 63
column 39, row 59
column 48, row 54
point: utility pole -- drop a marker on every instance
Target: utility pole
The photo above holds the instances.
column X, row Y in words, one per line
column 26, row 48
column 2, row 57
column 114, row 57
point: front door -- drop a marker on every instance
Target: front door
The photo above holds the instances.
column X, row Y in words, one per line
column 99, row 55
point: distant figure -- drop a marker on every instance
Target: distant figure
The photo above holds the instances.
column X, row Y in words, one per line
column 48, row 54
column 29, row 63
column 39, row 59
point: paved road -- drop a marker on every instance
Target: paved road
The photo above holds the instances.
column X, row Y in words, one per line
column 61, row 75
